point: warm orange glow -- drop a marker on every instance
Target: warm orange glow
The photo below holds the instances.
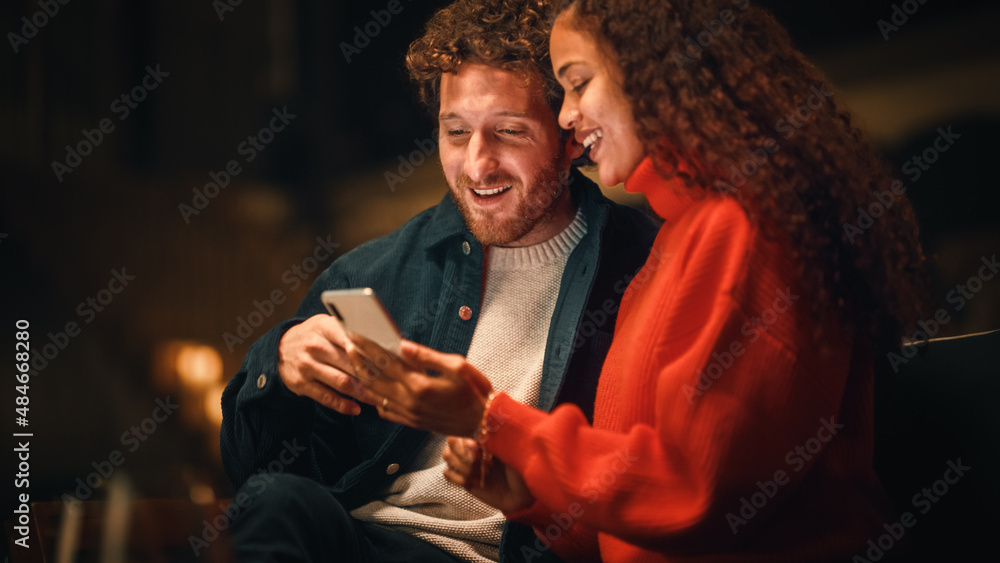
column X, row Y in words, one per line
column 201, row 493
column 213, row 404
column 198, row 366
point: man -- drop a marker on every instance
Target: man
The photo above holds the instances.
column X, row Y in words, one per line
column 521, row 270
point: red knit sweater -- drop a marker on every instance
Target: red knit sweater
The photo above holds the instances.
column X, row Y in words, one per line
column 720, row 432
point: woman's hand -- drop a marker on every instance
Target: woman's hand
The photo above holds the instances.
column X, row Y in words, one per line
column 504, row 488
column 451, row 401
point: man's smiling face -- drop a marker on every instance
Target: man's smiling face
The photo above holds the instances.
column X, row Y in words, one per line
column 501, row 153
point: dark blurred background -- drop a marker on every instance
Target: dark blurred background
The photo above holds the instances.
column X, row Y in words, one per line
column 203, row 276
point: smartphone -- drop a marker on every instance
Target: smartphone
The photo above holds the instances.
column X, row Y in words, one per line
column 360, row 311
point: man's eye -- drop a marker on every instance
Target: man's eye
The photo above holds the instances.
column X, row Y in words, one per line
column 455, row 132
column 513, row 132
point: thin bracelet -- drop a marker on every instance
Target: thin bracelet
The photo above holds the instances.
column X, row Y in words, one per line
column 482, row 433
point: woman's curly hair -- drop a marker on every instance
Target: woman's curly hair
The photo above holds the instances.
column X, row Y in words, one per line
column 720, row 81
column 508, row 34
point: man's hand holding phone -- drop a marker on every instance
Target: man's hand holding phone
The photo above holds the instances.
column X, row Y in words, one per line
column 312, row 358
column 312, row 362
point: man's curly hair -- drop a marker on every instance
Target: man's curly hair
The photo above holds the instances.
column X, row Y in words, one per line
column 712, row 88
column 507, row 34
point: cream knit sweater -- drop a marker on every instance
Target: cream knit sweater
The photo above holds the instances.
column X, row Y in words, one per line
column 508, row 345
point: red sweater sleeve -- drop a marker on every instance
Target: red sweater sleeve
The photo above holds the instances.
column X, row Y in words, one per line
column 700, row 405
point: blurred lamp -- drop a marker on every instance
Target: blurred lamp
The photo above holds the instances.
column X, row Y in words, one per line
column 213, row 404
column 198, row 366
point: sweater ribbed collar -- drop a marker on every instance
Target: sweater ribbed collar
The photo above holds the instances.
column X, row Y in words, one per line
column 543, row 253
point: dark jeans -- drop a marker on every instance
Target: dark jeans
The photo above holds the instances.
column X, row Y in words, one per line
column 292, row 518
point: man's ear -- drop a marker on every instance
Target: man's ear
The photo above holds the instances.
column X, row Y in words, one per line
column 573, row 148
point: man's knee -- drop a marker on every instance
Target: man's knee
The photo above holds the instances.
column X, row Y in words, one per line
column 291, row 515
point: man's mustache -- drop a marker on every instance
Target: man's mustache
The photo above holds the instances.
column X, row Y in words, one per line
column 494, row 179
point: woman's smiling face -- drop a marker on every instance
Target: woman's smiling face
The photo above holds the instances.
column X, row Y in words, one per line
column 595, row 106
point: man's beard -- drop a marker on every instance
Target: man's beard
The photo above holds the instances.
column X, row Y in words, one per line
column 538, row 204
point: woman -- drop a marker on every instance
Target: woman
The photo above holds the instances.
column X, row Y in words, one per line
column 733, row 419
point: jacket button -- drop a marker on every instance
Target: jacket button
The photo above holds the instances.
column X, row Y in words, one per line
column 392, row 469
column 466, row 249
column 261, row 381
column 465, row 313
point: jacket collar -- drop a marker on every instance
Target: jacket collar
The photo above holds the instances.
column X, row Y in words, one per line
column 446, row 223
